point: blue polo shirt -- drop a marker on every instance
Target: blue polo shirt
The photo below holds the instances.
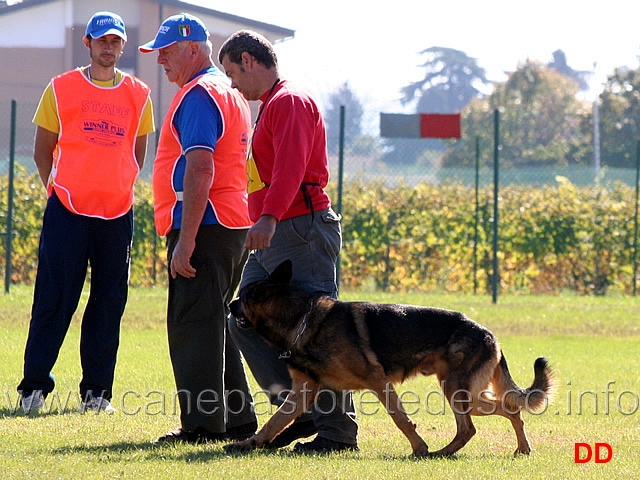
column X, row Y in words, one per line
column 198, row 122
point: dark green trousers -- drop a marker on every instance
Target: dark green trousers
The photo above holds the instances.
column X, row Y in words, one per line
column 211, row 382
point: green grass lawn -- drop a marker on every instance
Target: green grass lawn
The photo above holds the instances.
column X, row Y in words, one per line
column 593, row 345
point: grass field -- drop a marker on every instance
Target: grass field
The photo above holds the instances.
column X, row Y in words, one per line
column 593, row 344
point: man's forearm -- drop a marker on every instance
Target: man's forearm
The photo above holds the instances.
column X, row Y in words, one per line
column 198, row 177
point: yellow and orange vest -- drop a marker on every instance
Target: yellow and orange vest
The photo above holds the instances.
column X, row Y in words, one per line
column 94, row 166
column 228, row 192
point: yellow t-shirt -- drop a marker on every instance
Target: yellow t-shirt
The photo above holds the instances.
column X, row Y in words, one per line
column 46, row 115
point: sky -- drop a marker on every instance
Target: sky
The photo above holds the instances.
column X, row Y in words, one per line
column 376, row 48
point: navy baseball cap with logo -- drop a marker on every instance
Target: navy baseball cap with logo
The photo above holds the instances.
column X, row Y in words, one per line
column 176, row 28
column 106, row 23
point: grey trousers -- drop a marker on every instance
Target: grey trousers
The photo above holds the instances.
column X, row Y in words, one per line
column 312, row 244
column 213, row 389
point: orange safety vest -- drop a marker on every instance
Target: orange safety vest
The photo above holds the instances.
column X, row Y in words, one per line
column 228, row 192
column 94, row 166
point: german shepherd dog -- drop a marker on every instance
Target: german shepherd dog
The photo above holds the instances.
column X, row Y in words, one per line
column 359, row 345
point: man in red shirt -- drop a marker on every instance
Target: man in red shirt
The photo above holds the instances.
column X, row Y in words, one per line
column 288, row 170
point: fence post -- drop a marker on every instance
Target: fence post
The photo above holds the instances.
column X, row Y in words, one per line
column 12, row 161
column 496, row 147
column 635, row 231
column 477, row 214
column 340, row 178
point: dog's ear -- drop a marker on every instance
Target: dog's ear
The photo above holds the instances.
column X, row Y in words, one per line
column 283, row 273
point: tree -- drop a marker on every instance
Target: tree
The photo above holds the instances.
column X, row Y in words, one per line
column 540, row 124
column 560, row 65
column 344, row 96
column 449, row 84
column 620, row 118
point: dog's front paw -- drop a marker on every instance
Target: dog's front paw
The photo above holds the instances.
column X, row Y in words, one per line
column 244, row 446
column 421, row 451
column 525, row 451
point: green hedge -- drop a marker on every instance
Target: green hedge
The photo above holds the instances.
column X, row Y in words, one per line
column 552, row 239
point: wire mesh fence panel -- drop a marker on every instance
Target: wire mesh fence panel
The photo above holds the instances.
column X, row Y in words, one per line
column 148, row 257
column 24, row 136
column 412, row 221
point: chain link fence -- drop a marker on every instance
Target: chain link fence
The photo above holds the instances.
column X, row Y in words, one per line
column 411, row 223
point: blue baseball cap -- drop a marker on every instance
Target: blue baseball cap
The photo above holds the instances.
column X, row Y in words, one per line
column 176, row 28
column 106, row 23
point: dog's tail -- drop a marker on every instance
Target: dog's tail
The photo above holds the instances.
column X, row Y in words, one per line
column 514, row 398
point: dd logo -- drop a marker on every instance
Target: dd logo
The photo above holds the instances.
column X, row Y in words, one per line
column 595, row 453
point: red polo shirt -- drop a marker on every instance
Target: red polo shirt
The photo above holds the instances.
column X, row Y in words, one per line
column 289, row 147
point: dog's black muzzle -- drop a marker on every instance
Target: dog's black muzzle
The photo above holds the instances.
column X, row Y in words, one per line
column 238, row 314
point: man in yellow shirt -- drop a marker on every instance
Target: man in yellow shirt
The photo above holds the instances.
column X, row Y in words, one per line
column 91, row 140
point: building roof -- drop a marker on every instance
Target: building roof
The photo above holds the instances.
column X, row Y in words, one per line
column 279, row 31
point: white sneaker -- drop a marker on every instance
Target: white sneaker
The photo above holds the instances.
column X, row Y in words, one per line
column 33, row 402
column 97, row 404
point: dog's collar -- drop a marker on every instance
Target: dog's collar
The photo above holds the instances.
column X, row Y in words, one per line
column 302, row 326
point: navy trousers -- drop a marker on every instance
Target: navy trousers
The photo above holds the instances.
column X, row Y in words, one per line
column 68, row 243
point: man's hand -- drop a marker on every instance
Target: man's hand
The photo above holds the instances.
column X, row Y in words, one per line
column 181, row 260
column 261, row 233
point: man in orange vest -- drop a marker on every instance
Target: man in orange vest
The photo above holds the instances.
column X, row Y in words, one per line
column 91, row 139
column 200, row 205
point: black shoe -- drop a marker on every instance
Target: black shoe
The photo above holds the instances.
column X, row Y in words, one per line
column 200, row 435
column 178, row 435
column 324, row 445
column 293, row 432
column 241, row 432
